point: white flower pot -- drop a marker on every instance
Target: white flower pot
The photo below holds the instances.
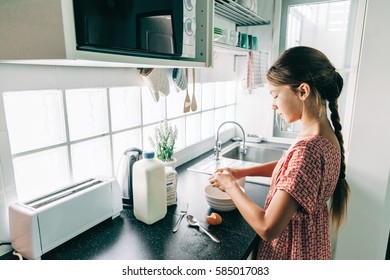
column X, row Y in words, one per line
column 171, row 163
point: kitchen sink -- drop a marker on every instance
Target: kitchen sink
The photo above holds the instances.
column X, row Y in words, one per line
column 256, row 153
column 230, row 156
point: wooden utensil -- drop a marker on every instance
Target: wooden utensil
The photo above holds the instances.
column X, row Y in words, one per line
column 194, row 106
column 187, row 101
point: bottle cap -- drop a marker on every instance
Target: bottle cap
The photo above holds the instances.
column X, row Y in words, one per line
column 148, row 154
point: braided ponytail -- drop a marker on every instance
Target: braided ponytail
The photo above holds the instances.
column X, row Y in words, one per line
column 338, row 207
column 329, row 88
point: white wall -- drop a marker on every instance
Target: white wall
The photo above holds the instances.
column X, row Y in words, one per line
column 7, row 182
column 365, row 235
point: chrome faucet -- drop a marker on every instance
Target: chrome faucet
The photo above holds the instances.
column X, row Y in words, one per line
column 218, row 144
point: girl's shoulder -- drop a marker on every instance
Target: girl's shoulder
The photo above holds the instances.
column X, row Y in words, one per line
column 315, row 146
column 313, row 143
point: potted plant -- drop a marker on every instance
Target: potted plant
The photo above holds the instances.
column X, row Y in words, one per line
column 163, row 142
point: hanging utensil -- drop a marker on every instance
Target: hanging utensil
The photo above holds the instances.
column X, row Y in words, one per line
column 179, row 79
column 187, row 101
column 194, row 106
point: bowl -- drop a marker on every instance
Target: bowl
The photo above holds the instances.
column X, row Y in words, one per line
column 218, row 199
column 216, row 194
column 222, row 208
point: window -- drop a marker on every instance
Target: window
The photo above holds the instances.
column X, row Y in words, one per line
column 62, row 136
column 319, row 24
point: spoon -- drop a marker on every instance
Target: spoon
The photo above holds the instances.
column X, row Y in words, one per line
column 194, row 222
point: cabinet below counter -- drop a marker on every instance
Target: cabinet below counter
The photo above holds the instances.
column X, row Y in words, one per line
column 126, row 238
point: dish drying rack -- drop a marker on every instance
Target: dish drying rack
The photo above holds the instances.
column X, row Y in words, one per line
column 242, row 16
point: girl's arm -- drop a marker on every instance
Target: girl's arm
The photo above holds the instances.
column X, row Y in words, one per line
column 269, row 223
column 264, row 170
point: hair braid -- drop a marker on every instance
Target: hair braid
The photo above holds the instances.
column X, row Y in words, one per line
column 338, row 208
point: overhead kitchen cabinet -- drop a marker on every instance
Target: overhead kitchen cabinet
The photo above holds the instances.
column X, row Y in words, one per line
column 99, row 32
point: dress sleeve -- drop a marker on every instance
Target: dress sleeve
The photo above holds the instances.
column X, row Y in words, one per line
column 301, row 175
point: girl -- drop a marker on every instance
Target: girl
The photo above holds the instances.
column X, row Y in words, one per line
column 294, row 223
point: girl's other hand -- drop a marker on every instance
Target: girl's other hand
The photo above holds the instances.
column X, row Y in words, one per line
column 235, row 172
column 223, row 180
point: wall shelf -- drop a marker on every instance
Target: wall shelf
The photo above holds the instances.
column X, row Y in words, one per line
column 225, row 48
column 242, row 16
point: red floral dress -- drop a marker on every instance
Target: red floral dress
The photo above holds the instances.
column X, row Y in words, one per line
column 309, row 173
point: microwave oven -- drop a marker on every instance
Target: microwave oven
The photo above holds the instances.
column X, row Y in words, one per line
column 150, row 28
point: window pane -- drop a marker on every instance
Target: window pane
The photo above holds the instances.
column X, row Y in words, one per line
column 230, row 91
column 231, row 113
column 41, row 173
column 124, row 140
column 198, row 96
column 148, row 131
column 175, row 103
column 152, row 111
column 314, row 24
column 34, row 119
column 91, row 158
column 87, row 112
column 180, row 124
column 208, row 127
column 208, row 96
column 220, row 94
column 125, row 106
column 193, row 129
column 220, row 117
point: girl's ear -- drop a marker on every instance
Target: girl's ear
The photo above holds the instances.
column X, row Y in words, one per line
column 303, row 91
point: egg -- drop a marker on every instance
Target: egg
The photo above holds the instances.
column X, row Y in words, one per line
column 214, row 219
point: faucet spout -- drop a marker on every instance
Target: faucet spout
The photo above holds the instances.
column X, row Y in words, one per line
column 218, row 144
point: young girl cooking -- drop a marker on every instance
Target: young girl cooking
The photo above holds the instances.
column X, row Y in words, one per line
column 294, row 223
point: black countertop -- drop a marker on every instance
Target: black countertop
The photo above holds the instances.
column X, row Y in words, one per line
column 126, row 238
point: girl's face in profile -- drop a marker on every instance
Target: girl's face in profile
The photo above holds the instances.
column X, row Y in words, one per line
column 286, row 102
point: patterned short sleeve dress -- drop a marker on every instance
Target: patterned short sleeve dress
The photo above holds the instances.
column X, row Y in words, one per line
column 309, row 173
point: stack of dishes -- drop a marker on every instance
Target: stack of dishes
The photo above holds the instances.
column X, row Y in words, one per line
column 218, row 199
column 218, row 33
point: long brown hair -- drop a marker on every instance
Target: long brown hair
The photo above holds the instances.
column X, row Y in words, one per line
column 308, row 65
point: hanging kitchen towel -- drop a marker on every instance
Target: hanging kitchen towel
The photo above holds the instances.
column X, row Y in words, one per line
column 253, row 79
column 157, row 82
column 179, row 79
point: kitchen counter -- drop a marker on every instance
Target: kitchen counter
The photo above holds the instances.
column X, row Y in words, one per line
column 126, row 238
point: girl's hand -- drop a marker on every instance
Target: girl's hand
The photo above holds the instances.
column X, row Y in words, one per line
column 235, row 172
column 224, row 180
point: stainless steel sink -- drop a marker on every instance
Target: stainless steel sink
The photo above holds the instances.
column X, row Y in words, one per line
column 257, row 153
column 232, row 157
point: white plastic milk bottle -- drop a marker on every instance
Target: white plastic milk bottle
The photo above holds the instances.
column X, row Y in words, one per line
column 149, row 189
